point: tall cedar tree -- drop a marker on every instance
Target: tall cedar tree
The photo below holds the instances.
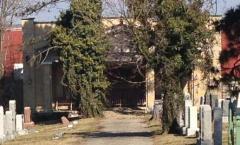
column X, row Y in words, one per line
column 181, row 37
column 79, row 37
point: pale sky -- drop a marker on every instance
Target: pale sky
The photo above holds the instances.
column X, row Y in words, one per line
column 51, row 13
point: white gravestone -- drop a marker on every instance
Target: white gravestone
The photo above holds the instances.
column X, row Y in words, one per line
column 9, row 125
column 19, row 122
column 205, row 125
column 180, row 119
column 12, row 107
column 188, row 103
column 193, row 124
column 2, row 135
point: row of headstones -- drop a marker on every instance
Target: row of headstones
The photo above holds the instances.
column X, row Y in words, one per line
column 12, row 124
column 213, row 116
column 214, row 102
column 208, row 117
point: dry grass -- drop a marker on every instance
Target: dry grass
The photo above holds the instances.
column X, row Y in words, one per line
column 225, row 134
column 45, row 134
column 169, row 139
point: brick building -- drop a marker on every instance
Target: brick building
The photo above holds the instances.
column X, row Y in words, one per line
column 11, row 56
column 12, row 51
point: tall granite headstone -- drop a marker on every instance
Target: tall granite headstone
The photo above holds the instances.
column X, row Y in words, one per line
column 9, row 132
column 193, row 121
column 188, row 103
column 217, row 126
column 12, row 107
column 205, row 125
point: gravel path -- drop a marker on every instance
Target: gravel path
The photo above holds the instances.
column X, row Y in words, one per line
column 118, row 129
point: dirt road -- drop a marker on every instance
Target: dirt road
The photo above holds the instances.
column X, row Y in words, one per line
column 119, row 129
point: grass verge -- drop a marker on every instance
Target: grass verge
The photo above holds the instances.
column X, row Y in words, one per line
column 168, row 139
column 44, row 134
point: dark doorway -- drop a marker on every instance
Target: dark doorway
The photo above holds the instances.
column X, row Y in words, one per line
column 127, row 86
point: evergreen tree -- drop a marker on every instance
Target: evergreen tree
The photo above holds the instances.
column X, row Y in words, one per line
column 82, row 48
column 181, row 37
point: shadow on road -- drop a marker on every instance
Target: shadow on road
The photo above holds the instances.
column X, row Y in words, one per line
column 112, row 134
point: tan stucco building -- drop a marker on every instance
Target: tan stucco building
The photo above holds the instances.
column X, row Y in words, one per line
column 42, row 77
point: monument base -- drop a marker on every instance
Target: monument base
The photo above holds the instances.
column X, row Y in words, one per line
column 192, row 131
column 29, row 125
column 184, row 130
column 204, row 142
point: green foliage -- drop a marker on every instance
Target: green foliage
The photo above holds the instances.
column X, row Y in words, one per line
column 79, row 37
column 178, row 31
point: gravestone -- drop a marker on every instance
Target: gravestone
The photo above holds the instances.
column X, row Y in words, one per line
column 65, row 121
column 9, row 132
column 12, row 107
column 157, row 109
column 211, row 100
column 188, row 103
column 2, row 136
column 193, row 122
column 19, row 122
column 207, row 98
column 28, row 123
column 27, row 114
column 225, row 109
column 217, row 126
column 180, row 119
column 205, row 125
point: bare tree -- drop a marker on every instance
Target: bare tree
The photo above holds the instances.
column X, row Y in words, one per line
column 8, row 11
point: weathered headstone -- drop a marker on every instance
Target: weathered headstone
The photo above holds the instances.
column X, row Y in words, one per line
column 65, row 121
column 180, row 119
column 2, row 135
column 225, row 109
column 27, row 114
column 9, row 132
column 12, row 107
column 28, row 123
column 205, row 125
column 188, row 103
column 157, row 110
column 19, row 122
column 207, row 98
column 193, row 125
column 217, row 126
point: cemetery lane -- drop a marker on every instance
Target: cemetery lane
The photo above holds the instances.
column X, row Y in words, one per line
column 118, row 129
